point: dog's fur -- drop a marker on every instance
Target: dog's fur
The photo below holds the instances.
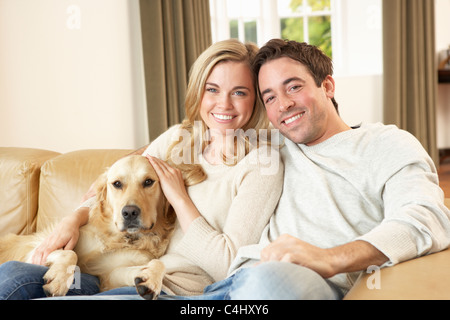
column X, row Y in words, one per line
column 120, row 251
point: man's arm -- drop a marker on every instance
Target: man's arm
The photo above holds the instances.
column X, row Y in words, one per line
column 350, row 257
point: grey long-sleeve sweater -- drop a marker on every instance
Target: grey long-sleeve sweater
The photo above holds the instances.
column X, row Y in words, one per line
column 375, row 183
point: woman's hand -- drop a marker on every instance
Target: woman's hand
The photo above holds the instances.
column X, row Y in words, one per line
column 171, row 180
column 65, row 236
column 172, row 184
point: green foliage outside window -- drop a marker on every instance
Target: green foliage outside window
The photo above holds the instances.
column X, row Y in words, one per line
column 319, row 26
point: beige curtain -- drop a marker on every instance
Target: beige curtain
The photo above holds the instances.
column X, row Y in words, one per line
column 410, row 74
column 174, row 34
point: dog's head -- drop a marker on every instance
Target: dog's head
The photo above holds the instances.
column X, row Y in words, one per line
column 131, row 193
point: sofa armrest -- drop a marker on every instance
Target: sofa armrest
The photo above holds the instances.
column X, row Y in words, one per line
column 422, row 278
column 425, row 278
column 19, row 188
column 66, row 178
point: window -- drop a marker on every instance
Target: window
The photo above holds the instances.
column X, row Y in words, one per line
column 307, row 21
column 349, row 31
column 237, row 19
column 258, row 20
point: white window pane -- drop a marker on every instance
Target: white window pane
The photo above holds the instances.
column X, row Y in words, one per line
column 285, row 7
column 234, row 8
column 243, row 8
column 251, row 8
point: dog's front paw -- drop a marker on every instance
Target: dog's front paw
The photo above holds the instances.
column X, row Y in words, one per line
column 58, row 282
column 149, row 281
column 147, row 289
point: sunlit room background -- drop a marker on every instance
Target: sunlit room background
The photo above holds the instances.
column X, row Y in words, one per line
column 66, row 88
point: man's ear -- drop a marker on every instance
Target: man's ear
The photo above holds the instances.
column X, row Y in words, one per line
column 329, row 86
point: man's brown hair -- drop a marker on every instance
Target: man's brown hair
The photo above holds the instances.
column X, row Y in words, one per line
column 318, row 63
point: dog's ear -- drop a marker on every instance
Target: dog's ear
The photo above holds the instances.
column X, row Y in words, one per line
column 169, row 213
column 166, row 217
column 101, row 187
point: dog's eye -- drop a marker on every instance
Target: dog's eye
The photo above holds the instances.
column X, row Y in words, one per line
column 148, row 183
column 117, row 185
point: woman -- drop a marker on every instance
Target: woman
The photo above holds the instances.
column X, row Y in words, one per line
column 221, row 144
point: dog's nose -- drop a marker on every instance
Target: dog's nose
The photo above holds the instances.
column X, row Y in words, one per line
column 130, row 213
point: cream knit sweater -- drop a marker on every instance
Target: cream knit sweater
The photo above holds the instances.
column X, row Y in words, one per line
column 236, row 203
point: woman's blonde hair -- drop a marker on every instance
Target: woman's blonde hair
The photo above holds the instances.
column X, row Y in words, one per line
column 223, row 51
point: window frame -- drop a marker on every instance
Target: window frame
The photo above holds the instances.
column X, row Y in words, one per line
column 268, row 22
column 356, row 35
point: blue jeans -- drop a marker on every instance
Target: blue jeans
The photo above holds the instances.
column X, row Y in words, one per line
column 23, row 281
column 267, row 281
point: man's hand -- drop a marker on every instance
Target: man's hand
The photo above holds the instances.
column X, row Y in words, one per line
column 354, row 256
column 290, row 249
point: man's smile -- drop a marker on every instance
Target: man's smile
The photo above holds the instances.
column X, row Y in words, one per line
column 293, row 118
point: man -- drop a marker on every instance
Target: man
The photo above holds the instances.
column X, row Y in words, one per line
column 352, row 197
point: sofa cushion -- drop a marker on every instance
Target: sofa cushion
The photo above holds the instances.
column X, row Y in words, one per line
column 66, row 178
column 19, row 188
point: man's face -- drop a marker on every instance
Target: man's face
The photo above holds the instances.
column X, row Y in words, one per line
column 303, row 112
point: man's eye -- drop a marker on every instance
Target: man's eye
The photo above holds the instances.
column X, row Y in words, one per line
column 117, row 185
column 295, row 88
column 268, row 100
column 148, row 183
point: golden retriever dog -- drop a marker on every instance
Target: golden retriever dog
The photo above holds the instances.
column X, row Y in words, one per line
column 129, row 228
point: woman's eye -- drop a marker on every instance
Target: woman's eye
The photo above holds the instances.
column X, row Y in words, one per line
column 212, row 90
column 240, row 93
column 148, row 183
column 117, row 185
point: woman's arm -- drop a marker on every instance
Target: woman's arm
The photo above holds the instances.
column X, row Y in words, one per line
column 65, row 236
column 251, row 208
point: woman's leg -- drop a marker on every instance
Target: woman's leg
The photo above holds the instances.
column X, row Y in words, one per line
column 281, row 281
column 23, row 281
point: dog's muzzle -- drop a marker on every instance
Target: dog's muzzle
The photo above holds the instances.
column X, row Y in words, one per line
column 131, row 217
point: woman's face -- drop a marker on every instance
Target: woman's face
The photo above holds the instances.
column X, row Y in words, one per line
column 229, row 97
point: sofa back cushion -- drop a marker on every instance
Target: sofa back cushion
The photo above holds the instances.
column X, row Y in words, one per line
column 66, row 178
column 19, row 188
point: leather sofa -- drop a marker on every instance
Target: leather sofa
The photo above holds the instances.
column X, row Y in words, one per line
column 39, row 187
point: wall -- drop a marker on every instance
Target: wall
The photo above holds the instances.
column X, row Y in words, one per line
column 65, row 87
column 358, row 60
column 442, row 44
column 71, row 75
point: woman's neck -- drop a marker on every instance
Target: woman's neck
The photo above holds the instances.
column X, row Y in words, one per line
column 220, row 145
